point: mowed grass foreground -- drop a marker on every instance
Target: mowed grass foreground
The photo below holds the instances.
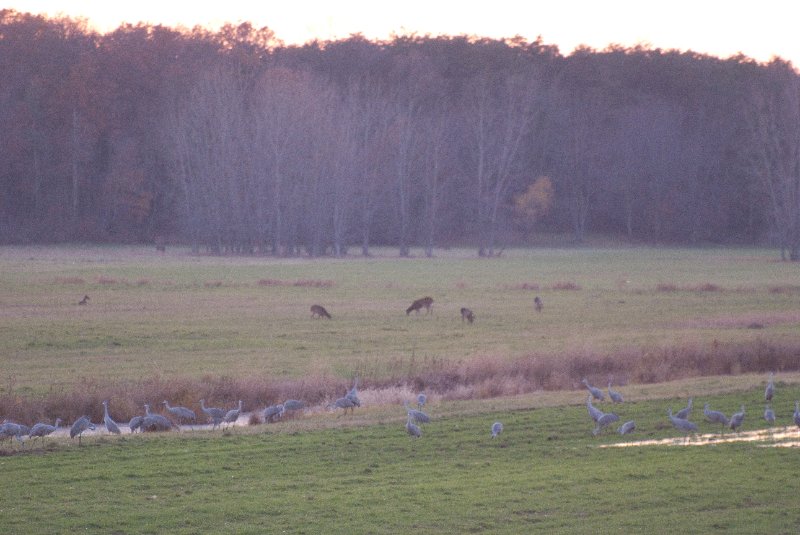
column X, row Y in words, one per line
column 544, row 474
column 199, row 317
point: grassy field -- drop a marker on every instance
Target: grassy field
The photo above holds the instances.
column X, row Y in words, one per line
column 184, row 316
column 158, row 324
column 323, row 474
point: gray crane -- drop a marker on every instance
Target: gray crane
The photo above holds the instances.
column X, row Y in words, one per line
column 594, row 412
column 497, row 428
column 770, row 390
column 293, row 405
column 413, row 429
column 154, row 422
column 627, row 427
column 615, row 396
column 797, row 413
column 769, row 415
column 81, row 424
column 604, row 421
column 421, row 399
column 181, row 413
column 352, row 394
column 135, row 423
column 686, row 411
column 344, row 403
column 232, row 415
column 595, row 392
column 215, row 415
column 737, row 419
column 12, row 430
column 42, row 429
column 715, row 417
column 272, row 412
column 416, row 415
column 111, row 425
column 682, row 424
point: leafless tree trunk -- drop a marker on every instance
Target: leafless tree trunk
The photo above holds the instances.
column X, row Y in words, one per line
column 499, row 116
column 775, row 120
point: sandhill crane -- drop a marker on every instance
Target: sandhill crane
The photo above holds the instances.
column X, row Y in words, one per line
column 111, row 425
column 615, row 396
column 537, row 303
column 352, row 394
column 293, row 405
column 737, row 419
column 797, row 413
column 682, row 424
column 272, row 412
column 594, row 412
column 715, row 416
column 686, row 411
column 232, row 415
column 344, row 403
column 770, row 390
column 605, row 420
column 80, row 425
column 627, row 427
column 13, row 430
column 467, row 314
column 135, row 423
column 215, row 415
column 769, row 415
column 154, row 422
column 84, row 301
column 412, row 429
column 421, row 400
column 596, row 392
column 417, row 416
column 41, row 430
column 181, row 413
column 497, row 428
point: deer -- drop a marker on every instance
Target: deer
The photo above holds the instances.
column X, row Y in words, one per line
column 466, row 314
column 424, row 302
column 318, row 311
column 537, row 303
column 84, row 301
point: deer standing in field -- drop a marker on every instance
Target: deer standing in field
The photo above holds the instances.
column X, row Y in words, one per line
column 318, row 311
column 466, row 314
column 84, row 301
column 537, row 303
column 424, row 302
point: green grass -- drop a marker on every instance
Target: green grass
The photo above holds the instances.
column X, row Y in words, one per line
column 182, row 316
column 545, row 474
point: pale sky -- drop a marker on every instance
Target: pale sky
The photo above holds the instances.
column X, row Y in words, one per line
column 759, row 29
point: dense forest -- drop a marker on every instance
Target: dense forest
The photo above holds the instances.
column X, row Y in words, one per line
column 235, row 143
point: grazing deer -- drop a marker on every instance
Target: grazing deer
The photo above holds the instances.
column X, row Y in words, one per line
column 161, row 244
column 466, row 314
column 425, row 302
column 319, row 312
column 537, row 303
column 84, row 301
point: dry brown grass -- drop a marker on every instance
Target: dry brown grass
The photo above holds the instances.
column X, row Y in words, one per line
column 522, row 286
column 69, row 280
column 302, row 283
column 704, row 287
column 566, row 285
column 478, row 378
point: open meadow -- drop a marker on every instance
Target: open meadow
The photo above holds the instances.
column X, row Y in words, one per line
column 664, row 324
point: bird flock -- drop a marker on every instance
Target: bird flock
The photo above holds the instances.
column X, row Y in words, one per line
column 415, row 417
column 681, row 419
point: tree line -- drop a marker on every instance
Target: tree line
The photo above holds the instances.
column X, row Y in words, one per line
column 235, row 143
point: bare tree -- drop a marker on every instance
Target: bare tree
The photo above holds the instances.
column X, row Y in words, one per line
column 775, row 125
column 499, row 113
